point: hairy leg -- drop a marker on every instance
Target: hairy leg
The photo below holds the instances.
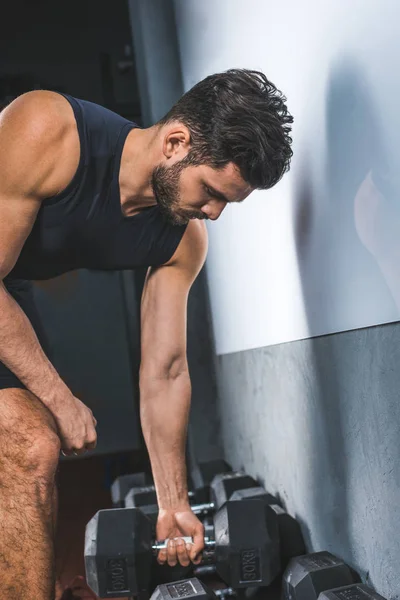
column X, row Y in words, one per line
column 29, row 453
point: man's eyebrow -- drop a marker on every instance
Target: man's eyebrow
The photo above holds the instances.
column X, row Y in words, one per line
column 216, row 193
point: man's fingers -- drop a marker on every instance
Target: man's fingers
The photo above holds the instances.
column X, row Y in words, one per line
column 182, row 553
column 91, row 446
column 197, row 546
column 162, row 557
column 196, row 557
column 171, row 553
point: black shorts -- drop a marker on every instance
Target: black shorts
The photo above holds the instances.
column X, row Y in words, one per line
column 22, row 291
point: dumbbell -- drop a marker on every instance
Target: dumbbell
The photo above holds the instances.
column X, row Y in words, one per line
column 357, row 591
column 291, row 539
column 309, row 575
column 290, row 535
column 201, row 475
column 124, row 483
column 119, row 548
column 224, row 485
column 191, row 588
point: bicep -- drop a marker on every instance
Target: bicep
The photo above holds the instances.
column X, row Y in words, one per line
column 163, row 322
column 17, row 216
column 164, row 305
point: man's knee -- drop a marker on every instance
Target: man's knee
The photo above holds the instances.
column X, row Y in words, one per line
column 28, row 433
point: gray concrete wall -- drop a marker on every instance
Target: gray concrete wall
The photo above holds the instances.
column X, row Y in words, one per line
column 160, row 85
column 318, row 421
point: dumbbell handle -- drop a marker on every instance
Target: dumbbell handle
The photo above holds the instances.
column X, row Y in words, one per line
column 202, row 570
column 199, row 509
column 208, row 542
column 152, row 488
column 225, row 593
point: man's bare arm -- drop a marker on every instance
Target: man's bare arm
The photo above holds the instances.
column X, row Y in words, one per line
column 32, row 142
column 165, row 388
column 39, row 153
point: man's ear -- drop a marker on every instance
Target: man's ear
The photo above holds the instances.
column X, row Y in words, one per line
column 177, row 140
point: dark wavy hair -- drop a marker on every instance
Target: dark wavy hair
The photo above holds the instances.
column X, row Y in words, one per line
column 237, row 116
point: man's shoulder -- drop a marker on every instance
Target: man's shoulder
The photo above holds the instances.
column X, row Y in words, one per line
column 38, row 132
column 40, row 108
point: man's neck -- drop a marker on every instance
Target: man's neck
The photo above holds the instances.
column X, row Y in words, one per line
column 137, row 164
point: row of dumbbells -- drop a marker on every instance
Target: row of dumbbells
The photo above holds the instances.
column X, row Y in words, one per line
column 317, row 576
column 250, row 539
column 305, row 579
column 247, row 539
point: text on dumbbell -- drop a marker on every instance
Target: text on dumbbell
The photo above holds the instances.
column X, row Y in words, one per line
column 250, row 565
column 117, row 579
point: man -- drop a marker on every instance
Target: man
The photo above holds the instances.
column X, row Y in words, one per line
column 81, row 187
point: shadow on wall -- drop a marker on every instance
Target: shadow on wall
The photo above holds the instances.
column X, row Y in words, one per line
column 353, row 393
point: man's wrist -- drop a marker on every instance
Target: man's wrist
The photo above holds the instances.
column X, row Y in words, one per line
column 52, row 392
column 173, row 499
column 173, row 508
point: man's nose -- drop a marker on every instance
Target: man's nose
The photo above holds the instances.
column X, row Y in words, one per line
column 214, row 211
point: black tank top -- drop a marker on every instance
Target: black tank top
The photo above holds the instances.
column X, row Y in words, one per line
column 83, row 226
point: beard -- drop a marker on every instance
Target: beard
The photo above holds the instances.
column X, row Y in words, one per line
column 165, row 182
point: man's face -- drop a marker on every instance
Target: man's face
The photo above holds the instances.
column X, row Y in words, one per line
column 185, row 192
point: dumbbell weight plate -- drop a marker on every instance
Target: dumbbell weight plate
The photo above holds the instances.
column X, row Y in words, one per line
column 186, row 589
column 309, row 575
column 225, row 484
column 247, row 551
column 123, row 484
column 351, row 592
column 118, row 565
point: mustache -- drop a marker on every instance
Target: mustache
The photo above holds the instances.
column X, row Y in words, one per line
column 195, row 215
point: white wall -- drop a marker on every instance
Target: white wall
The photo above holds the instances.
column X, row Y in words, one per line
column 319, row 252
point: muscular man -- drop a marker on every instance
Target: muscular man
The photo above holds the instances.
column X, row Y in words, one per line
column 81, row 187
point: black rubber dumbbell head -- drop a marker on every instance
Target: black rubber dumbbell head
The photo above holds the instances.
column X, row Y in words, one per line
column 137, row 497
column 123, row 484
column 118, row 555
column 257, row 492
column 225, row 484
column 309, row 575
column 188, row 588
column 290, row 535
column 247, row 550
column 201, row 476
column 351, row 592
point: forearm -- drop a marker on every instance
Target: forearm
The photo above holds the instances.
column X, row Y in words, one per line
column 21, row 351
column 164, row 411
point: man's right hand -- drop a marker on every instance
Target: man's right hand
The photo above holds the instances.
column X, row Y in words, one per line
column 75, row 421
